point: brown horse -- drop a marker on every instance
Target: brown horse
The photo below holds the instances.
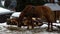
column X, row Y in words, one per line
column 37, row 12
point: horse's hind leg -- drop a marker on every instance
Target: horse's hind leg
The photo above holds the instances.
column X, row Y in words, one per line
column 50, row 25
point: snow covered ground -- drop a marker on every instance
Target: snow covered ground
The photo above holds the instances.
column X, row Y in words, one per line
column 5, row 30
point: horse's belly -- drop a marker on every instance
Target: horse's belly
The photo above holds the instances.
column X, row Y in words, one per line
column 36, row 15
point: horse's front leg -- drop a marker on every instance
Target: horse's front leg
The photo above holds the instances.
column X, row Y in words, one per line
column 20, row 19
column 50, row 25
column 30, row 23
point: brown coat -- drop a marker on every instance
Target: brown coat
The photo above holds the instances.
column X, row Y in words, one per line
column 37, row 12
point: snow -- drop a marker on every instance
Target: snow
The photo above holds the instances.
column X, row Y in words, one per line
column 44, row 26
column 3, row 27
column 29, row 32
column 3, row 24
column 15, row 14
column 57, row 24
column 5, row 11
column 53, row 6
